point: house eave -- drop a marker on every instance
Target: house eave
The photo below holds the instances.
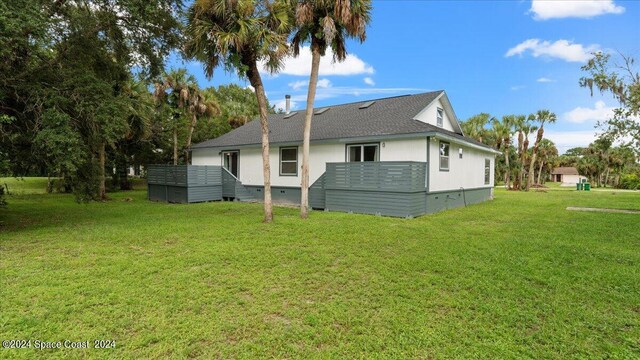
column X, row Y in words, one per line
column 452, row 139
column 346, row 140
column 369, row 138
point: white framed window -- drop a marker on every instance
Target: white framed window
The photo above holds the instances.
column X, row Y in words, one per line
column 362, row 152
column 487, row 171
column 289, row 161
column 444, row 156
column 440, row 117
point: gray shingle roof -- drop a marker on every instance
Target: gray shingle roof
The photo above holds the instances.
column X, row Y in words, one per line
column 388, row 116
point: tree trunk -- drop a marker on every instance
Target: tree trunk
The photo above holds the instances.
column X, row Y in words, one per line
column 311, row 95
column 122, row 173
column 534, row 155
column 507, row 175
column 518, row 178
column 540, row 172
column 194, row 122
column 530, row 173
column 175, row 146
column 256, row 82
column 102, row 188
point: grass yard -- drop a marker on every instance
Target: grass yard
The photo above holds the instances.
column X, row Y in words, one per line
column 26, row 185
column 516, row 277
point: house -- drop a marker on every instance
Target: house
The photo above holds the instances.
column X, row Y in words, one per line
column 567, row 176
column 398, row 156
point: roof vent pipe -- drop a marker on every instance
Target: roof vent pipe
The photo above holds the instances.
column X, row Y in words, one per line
column 287, row 102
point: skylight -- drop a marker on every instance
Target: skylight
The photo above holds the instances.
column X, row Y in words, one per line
column 321, row 111
column 367, row 104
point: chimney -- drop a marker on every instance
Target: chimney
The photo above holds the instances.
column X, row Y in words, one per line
column 287, row 106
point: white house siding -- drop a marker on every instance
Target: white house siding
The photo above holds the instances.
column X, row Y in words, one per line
column 467, row 172
column 404, row 150
column 206, row 157
column 571, row 180
column 430, row 115
column 250, row 163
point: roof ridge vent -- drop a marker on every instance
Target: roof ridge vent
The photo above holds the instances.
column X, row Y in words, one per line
column 367, row 104
column 290, row 115
column 321, row 111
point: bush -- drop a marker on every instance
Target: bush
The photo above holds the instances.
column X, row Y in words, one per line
column 629, row 181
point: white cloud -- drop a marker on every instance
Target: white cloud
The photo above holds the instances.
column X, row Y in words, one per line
column 369, row 81
column 298, row 84
column 517, row 87
column 546, row 9
column 302, row 84
column 561, row 49
column 579, row 115
column 323, row 83
column 565, row 140
column 301, row 65
column 250, row 88
column 545, row 80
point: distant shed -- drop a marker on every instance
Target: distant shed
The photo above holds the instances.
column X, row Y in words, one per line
column 567, row 176
column 184, row 183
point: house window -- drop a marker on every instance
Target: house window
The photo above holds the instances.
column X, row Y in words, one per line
column 487, row 171
column 289, row 161
column 444, row 156
column 362, row 152
column 440, row 117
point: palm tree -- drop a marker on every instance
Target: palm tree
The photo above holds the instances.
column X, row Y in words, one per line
column 175, row 88
column 474, row 127
column 523, row 126
column 542, row 117
column 140, row 113
column 201, row 103
column 547, row 152
column 324, row 24
column 239, row 35
column 504, row 131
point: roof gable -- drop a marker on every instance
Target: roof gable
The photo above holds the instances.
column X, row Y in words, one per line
column 450, row 115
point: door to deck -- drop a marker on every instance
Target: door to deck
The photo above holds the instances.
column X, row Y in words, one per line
column 230, row 161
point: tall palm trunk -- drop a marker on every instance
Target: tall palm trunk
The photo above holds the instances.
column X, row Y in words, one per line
column 540, row 172
column 311, row 95
column 256, row 82
column 534, row 154
column 102, row 188
column 507, row 174
column 518, row 176
column 175, row 146
column 192, row 126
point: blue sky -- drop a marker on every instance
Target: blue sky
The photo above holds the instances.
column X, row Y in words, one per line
column 499, row 57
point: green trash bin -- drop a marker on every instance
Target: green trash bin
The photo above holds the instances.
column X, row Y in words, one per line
column 578, row 186
column 587, row 187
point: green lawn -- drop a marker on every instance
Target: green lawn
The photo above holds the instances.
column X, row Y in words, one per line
column 38, row 185
column 24, row 185
column 516, row 277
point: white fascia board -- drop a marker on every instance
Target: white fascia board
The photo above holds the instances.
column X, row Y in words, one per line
column 452, row 139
